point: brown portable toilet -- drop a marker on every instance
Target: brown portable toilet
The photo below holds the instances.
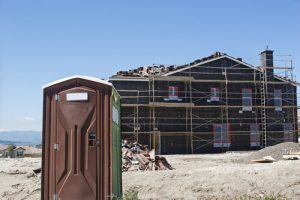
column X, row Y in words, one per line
column 77, row 140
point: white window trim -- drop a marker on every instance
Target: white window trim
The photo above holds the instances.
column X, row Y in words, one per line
column 279, row 107
column 213, row 94
column 247, row 107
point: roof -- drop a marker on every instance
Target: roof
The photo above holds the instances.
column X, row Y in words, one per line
column 210, row 60
column 142, row 73
column 2, row 147
column 97, row 80
column 27, row 149
column 19, row 148
column 31, row 150
column 136, row 75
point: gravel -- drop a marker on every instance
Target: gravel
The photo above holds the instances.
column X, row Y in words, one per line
column 273, row 151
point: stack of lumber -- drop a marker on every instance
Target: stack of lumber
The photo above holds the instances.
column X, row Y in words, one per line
column 136, row 156
column 291, row 155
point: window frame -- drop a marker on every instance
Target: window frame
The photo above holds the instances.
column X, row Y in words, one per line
column 19, row 152
column 278, row 99
column 221, row 143
column 174, row 95
column 288, row 132
column 214, row 94
column 254, row 135
column 248, row 97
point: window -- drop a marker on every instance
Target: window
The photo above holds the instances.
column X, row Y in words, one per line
column 278, row 99
column 221, row 135
column 173, row 93
column 254, row 135
column 288, row 132
column 214, row 94
column 247, row 99
column 19, row 153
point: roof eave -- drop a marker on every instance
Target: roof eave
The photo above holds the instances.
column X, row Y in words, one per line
column 122, row 78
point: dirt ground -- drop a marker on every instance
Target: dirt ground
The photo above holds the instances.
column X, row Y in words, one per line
column 17, row 180
column 216, row 176
column 209, row 176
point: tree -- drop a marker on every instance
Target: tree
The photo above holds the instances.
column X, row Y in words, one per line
column 10, row 149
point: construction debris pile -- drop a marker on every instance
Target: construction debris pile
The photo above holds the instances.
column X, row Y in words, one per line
column 147, row 71
column 136, row 156
column 153, row 70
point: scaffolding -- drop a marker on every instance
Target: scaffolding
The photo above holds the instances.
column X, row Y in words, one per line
column 261, row 113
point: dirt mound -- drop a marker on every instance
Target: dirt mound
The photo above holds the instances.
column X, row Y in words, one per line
column 273, row 151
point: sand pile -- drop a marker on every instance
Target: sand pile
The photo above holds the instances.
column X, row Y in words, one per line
column 274, row 151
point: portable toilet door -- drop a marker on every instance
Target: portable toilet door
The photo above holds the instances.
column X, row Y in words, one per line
column 77, row 140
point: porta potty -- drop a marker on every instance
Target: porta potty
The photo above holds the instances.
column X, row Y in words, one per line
column 81, row 140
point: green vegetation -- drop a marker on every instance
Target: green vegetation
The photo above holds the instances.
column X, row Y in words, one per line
column 10, row 148
column 131, row 194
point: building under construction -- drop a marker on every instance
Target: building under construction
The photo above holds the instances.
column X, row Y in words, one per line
column 213, row 104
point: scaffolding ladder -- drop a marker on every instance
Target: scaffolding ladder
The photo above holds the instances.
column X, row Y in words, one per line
column 263, row 90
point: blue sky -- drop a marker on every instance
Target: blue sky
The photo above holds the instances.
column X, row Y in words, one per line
column 41, row 41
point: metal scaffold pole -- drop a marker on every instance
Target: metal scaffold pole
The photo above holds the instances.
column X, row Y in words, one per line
column 191, row 117
column 195, row 116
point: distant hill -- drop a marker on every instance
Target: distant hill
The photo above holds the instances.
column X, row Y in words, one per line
column 6, row 142
column 21, row 137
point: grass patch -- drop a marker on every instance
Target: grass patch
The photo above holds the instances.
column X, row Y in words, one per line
column 131, row 194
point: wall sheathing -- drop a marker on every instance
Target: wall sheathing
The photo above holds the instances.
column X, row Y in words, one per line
column 187, row 125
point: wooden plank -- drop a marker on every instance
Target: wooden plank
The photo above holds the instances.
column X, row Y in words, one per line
column 291, row 157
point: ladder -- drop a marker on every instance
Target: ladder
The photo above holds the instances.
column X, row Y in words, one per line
column 263, row 90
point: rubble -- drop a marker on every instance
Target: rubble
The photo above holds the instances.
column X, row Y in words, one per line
column 14, row 172
column 136, row 156
column 266, row 159
column 37, row 170
column 153, row 70
column 147, row 71
column 30, row 175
